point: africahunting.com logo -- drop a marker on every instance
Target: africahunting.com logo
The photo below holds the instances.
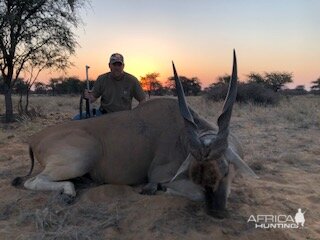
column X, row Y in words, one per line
column 278, row 221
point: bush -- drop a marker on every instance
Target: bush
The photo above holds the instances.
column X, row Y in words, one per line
column 293, row 92
column 315, row 92
column 217, row 92
column 257, row 93
column 247, row 92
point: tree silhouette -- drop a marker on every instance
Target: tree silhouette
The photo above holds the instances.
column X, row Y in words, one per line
column 40, row 88
column 316, row 85
column 70, row 85
column 276, row 80
column 191, row 86
column 52, row 85
column 222, row 80
column 272, row 80
column 256, row 78
column 151, row 84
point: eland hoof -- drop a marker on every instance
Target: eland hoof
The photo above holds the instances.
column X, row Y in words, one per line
column 149, row 189
column 66, row 199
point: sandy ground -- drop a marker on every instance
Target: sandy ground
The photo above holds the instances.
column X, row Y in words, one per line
column 281, row 144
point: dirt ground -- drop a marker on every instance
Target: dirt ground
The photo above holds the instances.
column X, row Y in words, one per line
column 282, row 145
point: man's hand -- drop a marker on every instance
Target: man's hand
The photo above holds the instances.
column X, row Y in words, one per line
column 88, row 95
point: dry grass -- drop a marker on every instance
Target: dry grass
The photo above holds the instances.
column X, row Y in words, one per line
column 53, row 221
column 281, row 144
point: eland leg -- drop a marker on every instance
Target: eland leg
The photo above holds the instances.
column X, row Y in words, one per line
column 68, row 163
column 43, row 182
column 161, row 171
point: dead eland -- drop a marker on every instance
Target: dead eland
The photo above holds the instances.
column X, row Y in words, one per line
column 162, row 142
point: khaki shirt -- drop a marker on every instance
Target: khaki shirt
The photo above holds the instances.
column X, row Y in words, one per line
column 116, row 94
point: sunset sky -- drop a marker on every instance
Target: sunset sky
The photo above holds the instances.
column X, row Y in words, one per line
column 273, row 35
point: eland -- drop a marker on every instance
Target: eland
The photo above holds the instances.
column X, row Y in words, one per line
column 162, row 143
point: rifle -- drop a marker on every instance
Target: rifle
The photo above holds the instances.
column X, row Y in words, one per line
column 88, row 114
column 88, row 110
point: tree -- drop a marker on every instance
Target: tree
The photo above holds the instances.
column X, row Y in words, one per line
column 20, row 87
column 40, row 88
column 255, row 78
column 151, row 84
column 276, row 80
column 52, row 85
column 191, row 86
column 316, row 85
column 33, row 74
column 272, row 80
column 35, row 34
column 300, row 88
column 222, row 80
column 70, row 85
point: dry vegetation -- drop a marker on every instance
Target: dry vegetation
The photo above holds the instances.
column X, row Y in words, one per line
column 281, row 144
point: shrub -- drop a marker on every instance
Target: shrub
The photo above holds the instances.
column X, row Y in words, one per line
column 247, row 92
column 257, row 93
column 217, row 92
column 299, row 90
column 315, row 92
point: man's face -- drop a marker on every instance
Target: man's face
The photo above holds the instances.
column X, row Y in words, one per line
column 116, row 68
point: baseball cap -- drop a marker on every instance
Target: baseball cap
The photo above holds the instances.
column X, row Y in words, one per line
column 116, row 57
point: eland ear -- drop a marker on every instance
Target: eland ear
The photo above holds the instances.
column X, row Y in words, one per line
column 239, row 164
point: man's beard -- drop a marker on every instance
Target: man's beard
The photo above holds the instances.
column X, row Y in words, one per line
column 117, row 74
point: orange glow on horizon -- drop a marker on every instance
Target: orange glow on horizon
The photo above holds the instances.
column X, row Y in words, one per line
column 192, row 64
column 207, row 73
